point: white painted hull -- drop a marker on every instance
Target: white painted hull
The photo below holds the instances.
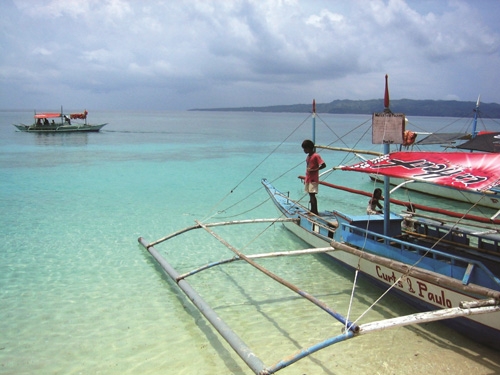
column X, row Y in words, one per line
column 420, row 293
column 59, row 128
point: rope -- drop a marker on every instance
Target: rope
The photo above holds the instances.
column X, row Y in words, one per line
column 402, row 275
column 272, row 152
column 351, row 299
column 250, row 173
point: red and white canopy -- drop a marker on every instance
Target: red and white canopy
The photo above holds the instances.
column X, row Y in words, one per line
column 82, row 115
column 47, row 115
column 460, row 170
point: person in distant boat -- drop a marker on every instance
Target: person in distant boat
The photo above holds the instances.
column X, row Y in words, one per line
column 46, row 122
column 66, row 118
column 374, row 206
column 314, row 163
column 53, row 123
column 39, row 121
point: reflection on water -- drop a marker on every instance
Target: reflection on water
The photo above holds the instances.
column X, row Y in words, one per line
column 62, row 139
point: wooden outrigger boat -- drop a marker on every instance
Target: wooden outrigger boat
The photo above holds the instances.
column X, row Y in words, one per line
column 46, row 123
column 449, row 272
column 455, row 297
column 461, row 268
column 452, row 263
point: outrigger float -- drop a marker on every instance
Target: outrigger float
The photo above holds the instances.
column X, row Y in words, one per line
column 450, row 273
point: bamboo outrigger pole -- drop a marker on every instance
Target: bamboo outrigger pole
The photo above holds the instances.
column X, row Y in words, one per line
column 317, row 250
column 244, row 352
column 232, row 338
column 198, row 226
column 350, row 326
column 253, row 362
column 345, row 149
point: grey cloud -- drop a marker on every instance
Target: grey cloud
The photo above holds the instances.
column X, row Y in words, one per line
column 184, row 54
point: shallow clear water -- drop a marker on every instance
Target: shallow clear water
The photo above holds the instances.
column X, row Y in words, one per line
column 79, row 295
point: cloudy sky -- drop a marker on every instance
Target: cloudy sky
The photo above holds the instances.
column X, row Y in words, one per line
column 182, row 54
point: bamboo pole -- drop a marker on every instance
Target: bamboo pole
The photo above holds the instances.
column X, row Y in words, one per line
column 257, row 256
column 198, row 226
column 366, row 152
column 418, row 318
column 479, row 303
column 466, row 308
column 232, row 338
column 425, row 317
column 292, row 287
column 305, row 352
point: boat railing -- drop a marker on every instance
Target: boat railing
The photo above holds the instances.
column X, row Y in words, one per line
column 454, row 235
column 471, row 270
column 320, row 224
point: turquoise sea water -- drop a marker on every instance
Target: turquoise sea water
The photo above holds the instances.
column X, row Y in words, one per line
column 79, row 295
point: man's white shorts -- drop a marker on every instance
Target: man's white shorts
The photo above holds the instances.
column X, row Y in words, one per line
column 311, row 187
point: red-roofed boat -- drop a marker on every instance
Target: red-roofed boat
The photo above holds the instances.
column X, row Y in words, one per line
column 51, row 122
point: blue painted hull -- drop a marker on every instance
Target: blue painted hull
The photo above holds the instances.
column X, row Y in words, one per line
column 442, row 280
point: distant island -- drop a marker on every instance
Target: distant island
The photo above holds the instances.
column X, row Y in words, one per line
column 434, row 108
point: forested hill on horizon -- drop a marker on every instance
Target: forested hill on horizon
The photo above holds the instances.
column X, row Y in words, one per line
column 434, row 108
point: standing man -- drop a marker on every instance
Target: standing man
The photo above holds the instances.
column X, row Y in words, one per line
column 314, row 164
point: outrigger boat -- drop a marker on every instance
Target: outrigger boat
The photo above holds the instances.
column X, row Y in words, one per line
column 447, row 271
column 45, row 123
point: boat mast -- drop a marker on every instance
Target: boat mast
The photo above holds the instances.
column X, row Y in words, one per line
column 314, row 121
column 474, row 124
column 387, row 193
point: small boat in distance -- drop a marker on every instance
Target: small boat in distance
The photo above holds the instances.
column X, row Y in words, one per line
column 46, row 123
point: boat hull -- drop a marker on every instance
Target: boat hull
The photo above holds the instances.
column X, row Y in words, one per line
column 421, row 293
column 59, row 128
